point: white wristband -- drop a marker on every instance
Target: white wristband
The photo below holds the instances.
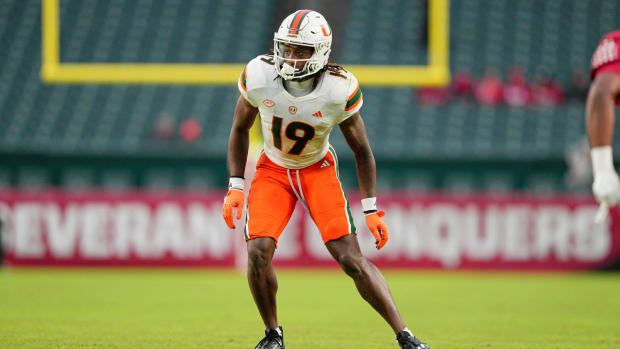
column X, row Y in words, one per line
column 602, row 159
column 237, row 183
column 369, row 204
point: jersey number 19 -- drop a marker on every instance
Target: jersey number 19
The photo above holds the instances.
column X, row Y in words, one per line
column 297, row 131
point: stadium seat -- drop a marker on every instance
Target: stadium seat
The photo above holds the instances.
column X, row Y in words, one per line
column 120, row 119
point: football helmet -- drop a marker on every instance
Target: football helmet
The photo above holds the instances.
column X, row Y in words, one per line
column 303, row 28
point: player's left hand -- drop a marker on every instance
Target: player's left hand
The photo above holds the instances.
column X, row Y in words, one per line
column 234, row 199
column 377, row 227
column 606, row 188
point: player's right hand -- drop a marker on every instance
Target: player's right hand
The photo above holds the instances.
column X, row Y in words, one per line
column 234, row 199
column 606, row 188
column 377, row 227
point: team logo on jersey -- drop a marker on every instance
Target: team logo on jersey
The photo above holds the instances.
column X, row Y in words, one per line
column 318, row 114
column 292, row 109
column 269, row 103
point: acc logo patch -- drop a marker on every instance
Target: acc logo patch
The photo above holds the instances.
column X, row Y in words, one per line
column 292, row 109
column 269, row 103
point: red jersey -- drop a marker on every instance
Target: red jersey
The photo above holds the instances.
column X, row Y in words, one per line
column 606, row 58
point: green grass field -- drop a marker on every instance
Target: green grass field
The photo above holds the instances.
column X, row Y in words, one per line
column 50, row 308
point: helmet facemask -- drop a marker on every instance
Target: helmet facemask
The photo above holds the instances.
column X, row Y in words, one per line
column 286, row 66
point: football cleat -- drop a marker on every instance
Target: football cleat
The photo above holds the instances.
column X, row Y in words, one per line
column 407, row 341
column 272, row 340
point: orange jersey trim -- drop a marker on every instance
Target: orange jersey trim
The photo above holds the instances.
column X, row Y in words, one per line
column 243, row 78
column 356, row 103
column 354, row 99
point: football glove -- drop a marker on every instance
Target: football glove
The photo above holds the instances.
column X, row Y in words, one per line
column 234, row 199
column 606, row 186
column 377, row 227
column 606, row 189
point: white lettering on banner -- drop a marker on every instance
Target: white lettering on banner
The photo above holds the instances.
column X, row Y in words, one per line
column 62, row 229
column 95, row 239
column 447, row 232
column 592, row 241
column 481, row 242
column 516, row 225
column 396, row 221
column 6, row 229
column 169, row 231
column 209, row 232
column 406, row 228
column 27, row 225
column 552, row 234
column 131, row 224
column 414, row 228
column 514, row 233
column 100, row 231
column 144, row 242
column 444, row 234
column 204, row 233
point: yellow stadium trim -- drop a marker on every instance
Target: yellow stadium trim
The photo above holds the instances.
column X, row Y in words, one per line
column 436, row 73
column 49, row 42
column 256, row 137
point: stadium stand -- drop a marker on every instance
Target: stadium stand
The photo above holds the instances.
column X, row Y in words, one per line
column 120, row 120
column 485, row 34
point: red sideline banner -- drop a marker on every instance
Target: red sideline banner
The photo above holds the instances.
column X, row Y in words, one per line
column 58, row 228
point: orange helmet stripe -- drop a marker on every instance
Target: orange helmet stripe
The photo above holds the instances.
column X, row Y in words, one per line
column 294, row 27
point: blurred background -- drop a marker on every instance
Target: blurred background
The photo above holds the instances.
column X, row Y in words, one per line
column 508, row 129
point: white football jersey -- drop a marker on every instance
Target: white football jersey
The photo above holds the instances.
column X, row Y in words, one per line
column 296, row 129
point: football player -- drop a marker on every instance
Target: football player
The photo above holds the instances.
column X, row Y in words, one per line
column 300, row 97
column 600, row 119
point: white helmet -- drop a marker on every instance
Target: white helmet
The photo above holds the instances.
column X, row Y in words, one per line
column 304, row 28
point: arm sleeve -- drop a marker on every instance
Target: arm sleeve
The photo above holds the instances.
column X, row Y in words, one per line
column 605, row 58
column 354, row 98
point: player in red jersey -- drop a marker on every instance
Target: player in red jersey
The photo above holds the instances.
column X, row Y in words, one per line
column 600, row 119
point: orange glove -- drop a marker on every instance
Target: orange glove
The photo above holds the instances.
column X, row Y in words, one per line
column 377, row 228
column 234, row 198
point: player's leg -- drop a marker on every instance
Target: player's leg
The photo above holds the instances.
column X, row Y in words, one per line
column 262, row 279
column 270, row 205
column 368, row 279
column 330, row 210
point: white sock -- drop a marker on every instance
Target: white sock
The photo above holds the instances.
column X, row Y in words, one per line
column 408, row 331
column 278, row 330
